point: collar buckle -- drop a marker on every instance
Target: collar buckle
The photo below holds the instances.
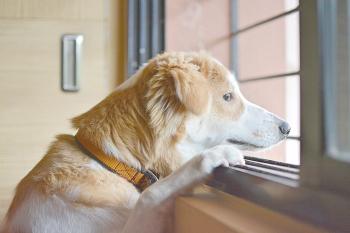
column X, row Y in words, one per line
column 152, row 177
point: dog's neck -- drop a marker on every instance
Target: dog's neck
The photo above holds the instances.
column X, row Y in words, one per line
column 160, row 157
column 107, row 146
column 141, row 178
column 133, row 126
column 122, row 154
column 163, row 160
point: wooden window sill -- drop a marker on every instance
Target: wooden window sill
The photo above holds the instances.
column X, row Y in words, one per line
column 215, row 211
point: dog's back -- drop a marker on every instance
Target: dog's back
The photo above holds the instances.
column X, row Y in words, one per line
column 69, row 192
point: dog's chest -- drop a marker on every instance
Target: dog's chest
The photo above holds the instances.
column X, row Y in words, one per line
column 108, row 189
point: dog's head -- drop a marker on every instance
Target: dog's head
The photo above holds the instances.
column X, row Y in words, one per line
column 187, row 102
column 217, row 110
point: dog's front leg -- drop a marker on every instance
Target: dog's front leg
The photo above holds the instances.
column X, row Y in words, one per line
column 154, row 209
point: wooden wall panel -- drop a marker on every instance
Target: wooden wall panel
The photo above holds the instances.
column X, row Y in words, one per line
column 10, row 8
column 33, row 45
column 33, row 109
column 54, row 9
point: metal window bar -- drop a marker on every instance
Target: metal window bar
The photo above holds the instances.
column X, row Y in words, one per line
column 158, row 28
column 270, row 167
column 146, row 30
column 270, row 162
column 247, row 80
column 293, row 138
column 270, row 172
column 234, row 46
column 235, row 33
column 234, row 41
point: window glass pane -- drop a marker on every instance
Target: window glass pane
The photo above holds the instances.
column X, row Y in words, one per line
column 272, row 48
column 287, row 151
column 292, row 151
column 193, row 25
column 281, row 97
column 337, row 82
column 252, row 11
column 269, row 49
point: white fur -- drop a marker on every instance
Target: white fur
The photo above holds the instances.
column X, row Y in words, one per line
column 71, row 220
column 132, row 80
column 95, row 165
column 255, row 126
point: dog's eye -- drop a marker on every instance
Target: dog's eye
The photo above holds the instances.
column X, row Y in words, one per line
column 228, row 96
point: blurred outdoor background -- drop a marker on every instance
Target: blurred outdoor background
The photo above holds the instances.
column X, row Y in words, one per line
column 264, row 58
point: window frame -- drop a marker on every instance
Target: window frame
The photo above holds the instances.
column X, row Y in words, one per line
column 320, row 196
column 318, row 168
column 146, row 32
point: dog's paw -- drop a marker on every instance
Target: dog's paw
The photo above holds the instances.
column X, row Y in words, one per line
column 221, row 155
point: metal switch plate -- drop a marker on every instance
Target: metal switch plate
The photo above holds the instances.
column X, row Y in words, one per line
column 71, row 59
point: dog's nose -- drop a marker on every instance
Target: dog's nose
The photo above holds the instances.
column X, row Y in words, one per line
column 285, row 128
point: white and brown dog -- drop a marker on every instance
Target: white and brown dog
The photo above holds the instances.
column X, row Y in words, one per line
column 178, row 118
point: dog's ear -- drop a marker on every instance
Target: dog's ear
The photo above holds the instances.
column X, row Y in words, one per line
column 191, row 89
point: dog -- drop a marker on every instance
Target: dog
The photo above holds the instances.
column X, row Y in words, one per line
column 158, row 134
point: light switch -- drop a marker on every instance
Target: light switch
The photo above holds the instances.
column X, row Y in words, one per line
column 71, row 59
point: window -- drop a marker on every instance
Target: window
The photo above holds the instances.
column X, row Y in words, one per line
column 145, row 31
column 321, row 196
column 259, row 41
column 325, row 90
column 265, row 59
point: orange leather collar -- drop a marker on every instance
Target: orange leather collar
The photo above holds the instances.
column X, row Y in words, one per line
column 141, row 179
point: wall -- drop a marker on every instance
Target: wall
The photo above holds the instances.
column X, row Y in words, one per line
column 33, row 109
